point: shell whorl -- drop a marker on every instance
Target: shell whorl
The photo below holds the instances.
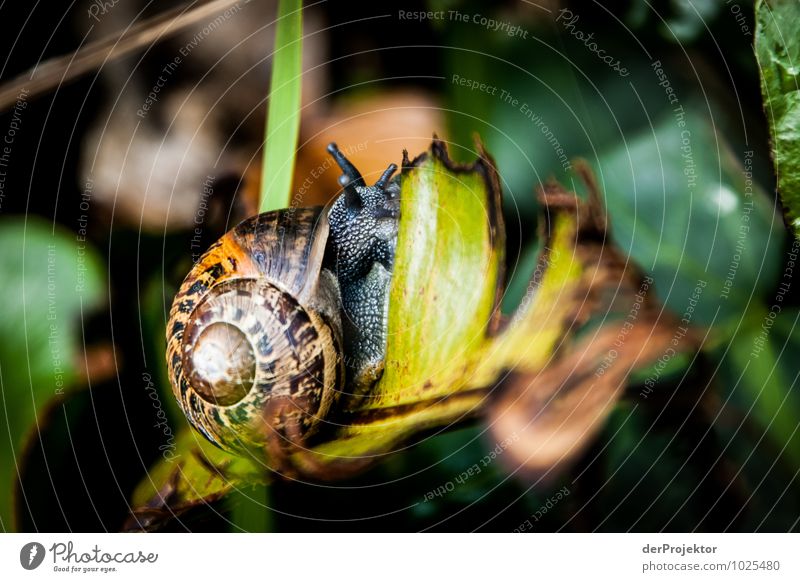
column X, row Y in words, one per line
column 248, row 326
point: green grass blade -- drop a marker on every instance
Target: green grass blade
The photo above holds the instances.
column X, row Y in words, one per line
column 283, row 111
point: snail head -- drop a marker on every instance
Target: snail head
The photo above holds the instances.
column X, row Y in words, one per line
column 363, row 220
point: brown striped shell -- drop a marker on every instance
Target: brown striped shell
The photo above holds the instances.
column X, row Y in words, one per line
column 255, row 319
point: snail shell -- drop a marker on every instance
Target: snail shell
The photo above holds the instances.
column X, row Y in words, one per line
column 255, row 334
column 256, row 319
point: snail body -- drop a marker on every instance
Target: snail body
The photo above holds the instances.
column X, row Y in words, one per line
column 289, row 304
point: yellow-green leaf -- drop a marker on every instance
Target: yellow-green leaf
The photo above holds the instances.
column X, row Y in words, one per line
column 443, row 304
column 194, row 473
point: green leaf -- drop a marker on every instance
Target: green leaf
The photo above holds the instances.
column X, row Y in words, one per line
column 283, row 114
column 778, row 52
column 51, row 280
column 686, row 211
column 444, row 350
column 445, row 280
column 537, row 326
column 759, row 414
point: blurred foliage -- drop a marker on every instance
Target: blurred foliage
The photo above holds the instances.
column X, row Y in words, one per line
column 682, row 208
column 53, row 281
column 685, row 175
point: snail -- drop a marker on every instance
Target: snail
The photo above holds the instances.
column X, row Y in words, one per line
column 289, row 304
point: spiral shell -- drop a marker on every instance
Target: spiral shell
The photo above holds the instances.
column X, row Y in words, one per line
column 256, row 319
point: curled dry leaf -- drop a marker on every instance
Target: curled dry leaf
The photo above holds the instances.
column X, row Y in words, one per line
column 615, row 327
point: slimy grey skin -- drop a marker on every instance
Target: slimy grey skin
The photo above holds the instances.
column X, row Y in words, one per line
column 363, row 223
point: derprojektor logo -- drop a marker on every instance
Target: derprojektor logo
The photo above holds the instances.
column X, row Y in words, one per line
column 31, row 555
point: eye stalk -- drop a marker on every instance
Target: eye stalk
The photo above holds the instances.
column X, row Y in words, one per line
column 351, row 174
column 351, row 179
column 384, row 179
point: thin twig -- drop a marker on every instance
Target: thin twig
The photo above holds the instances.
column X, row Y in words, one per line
column 50, row 74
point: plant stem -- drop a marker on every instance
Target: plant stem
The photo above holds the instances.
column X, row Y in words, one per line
column 283, row 110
